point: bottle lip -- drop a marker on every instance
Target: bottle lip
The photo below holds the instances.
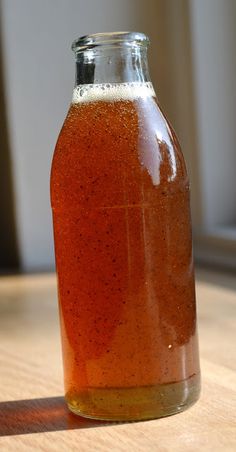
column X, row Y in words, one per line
column 124, row 38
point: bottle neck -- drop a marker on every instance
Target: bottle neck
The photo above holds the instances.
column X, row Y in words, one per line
column 112, row 64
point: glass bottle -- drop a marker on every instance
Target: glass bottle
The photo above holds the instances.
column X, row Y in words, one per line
column 122, row 231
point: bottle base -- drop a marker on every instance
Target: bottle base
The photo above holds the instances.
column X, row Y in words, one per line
column 133, row 404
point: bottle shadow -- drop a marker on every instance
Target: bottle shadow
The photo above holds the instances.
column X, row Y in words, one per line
column 40, row 415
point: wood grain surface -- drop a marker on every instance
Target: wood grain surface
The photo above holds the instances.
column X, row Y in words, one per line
column 33, row 415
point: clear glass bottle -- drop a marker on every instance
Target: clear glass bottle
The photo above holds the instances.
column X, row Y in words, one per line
column 122, row 228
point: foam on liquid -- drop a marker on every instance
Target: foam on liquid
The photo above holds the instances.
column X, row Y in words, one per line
column 112, row 92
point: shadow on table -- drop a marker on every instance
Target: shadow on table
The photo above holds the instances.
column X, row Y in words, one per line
column 40, row 415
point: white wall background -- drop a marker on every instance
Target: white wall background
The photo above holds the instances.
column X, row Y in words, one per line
column 39, row 77
column 214, row 57
column 214, row 64
column 193, row 64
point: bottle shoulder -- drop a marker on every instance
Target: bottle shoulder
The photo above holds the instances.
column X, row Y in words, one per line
column 122, row 139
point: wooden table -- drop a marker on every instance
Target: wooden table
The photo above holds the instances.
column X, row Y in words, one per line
column 33, row 415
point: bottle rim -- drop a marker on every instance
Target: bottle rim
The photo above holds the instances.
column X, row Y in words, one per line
column 123, row 38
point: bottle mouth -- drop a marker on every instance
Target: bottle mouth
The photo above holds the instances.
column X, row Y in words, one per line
column 123, row 38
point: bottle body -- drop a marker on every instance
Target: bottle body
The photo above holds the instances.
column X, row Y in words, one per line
column 122, row 229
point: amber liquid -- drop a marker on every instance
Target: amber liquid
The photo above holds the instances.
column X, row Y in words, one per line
column 120, row 199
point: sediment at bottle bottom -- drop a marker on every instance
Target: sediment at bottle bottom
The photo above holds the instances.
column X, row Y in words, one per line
column 136, row 403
